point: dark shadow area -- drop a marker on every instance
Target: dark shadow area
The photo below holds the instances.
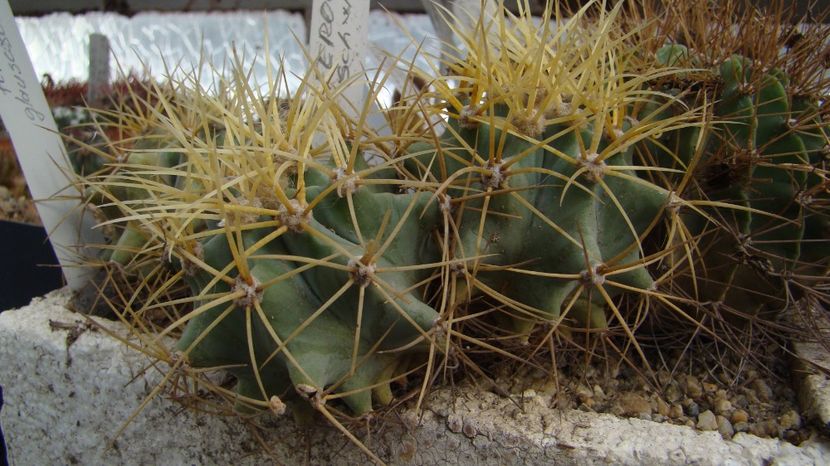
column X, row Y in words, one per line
column 30, row 267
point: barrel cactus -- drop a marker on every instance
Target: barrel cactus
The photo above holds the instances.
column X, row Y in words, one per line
column 305, row 265
column 549, row 208
column 318, row 260
column 759, row 174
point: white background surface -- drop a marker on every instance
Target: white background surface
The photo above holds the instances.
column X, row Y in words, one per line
column 58, row 42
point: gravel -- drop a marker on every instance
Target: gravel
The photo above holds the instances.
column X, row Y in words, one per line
column 707, row 421
column 724, row 394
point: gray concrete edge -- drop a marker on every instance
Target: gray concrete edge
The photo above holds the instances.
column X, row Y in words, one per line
column 63, row 404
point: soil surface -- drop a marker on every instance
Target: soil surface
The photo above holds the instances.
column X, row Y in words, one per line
column 15, row 203
column 703, row 389
column 18, row 208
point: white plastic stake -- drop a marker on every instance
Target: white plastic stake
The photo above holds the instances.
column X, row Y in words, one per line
column 41, row 152
column 98, row 82
column 466, row 12
column 338, row 41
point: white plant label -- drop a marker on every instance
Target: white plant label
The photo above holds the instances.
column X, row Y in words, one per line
column 40, row 151
column 338, row 41
column 465, row 13
column 99, row 69
column 469, row 11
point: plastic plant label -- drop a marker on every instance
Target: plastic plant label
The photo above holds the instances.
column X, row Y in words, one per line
column 41, row 152
column 338, row 41
column 469, row 11
column 99, row 69
column 464, row 12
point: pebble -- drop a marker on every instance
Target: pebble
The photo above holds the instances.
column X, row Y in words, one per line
column 662, row 407
column 789, row 420
column 632, row 404
column 766, row 428
column 693, row 387
column 709, row 387
column 725, row 427
column 740, row 416
column 762, row 390
column 722, row 406
column 585, row 395
column 469, row 430
column 454, row 423
column 673, row 393
column 741, row 426
column 692, row 409
column 675, row 411
column 739, row 401
column 707, row 421
column 598, row 392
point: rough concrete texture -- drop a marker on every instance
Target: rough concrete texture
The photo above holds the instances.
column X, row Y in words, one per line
column 64, row 404
column 811, row 369
column 814, row 387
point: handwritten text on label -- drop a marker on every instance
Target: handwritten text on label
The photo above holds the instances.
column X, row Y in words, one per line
column 41, row 153
column 339, row 44
column 15, row 80
column 328, row 32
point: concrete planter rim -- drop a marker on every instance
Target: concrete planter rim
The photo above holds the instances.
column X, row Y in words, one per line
column 75, row 396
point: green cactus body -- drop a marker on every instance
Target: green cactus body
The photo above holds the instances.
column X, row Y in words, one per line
column 815, row 199
column 314, row 285
column 549, row 232
column 753, row 166
column 153, row 169
column 319, row 310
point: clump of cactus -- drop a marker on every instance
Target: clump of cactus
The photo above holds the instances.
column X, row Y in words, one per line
column 559, row 183
column 758, row 171
column 536, row 163
column 325, row 261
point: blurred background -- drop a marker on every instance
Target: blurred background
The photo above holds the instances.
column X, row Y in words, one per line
column 130, row 7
